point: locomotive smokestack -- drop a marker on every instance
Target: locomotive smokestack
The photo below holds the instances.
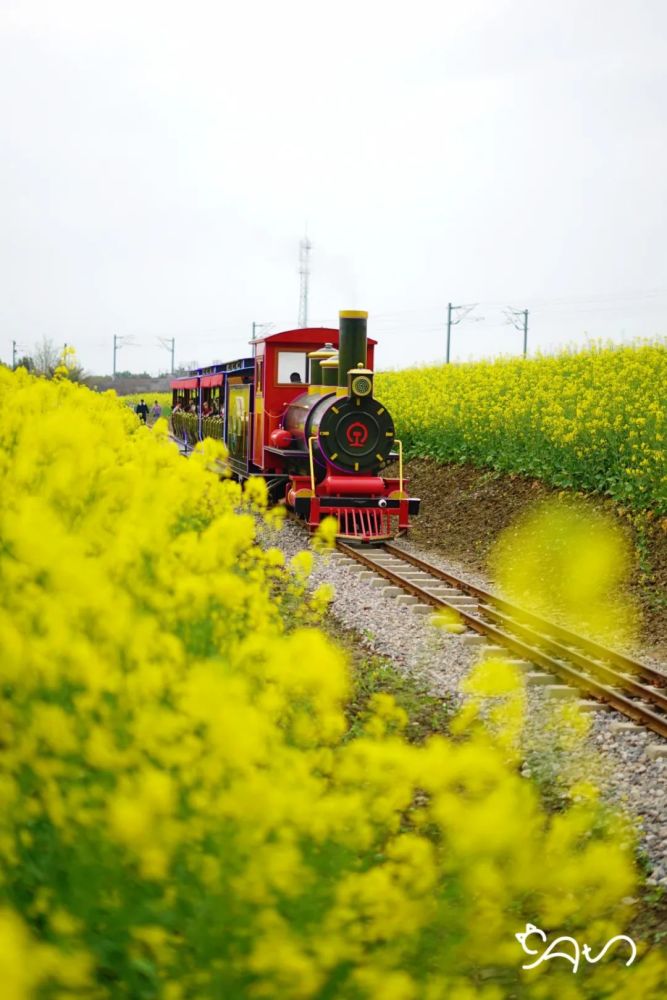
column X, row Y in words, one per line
column 352, row 346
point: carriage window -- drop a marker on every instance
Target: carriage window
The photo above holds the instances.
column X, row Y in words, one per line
column 291, row 366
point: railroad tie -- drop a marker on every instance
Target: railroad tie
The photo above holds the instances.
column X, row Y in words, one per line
column 473, row 639
column 537, row 679
column 560, row 691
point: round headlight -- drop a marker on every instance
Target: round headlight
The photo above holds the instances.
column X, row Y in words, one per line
column 361, row 385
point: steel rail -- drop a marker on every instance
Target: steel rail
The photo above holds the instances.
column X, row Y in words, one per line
column 532, row 653
column 627, row 682
column 548, row 628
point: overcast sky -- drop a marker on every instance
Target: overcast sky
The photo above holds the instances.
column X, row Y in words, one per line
column 160, row 161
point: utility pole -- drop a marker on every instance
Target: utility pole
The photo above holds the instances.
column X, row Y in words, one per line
column 169, row 343
column 449, row 330
column 525, row 333
column 305, row 246
column 119, row 342
column 13, row 355
column 454, row 322
column 519, row 319
column 258, row 328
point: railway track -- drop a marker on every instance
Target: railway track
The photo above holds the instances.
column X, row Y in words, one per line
column 634, row 689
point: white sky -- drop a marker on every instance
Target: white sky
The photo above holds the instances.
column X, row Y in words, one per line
column 159, row 161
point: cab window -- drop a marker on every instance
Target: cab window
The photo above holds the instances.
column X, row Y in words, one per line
column 291, row 367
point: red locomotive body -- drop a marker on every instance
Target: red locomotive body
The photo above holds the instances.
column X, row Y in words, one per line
column 302, row 414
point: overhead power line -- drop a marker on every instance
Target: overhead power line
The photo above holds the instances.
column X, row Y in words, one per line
column 592, row 300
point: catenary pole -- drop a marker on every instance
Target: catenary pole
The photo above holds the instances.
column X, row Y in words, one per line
column 169, row 343
column 257, row 328
column 464, row 310
column 449, row 330
column 519, row 320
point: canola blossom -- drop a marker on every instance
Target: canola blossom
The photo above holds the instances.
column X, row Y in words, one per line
column 562, row 559
column 592, row 420
column 184, row 813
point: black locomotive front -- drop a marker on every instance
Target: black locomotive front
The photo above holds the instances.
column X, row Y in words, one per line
column 349, row 438
column 352, row 433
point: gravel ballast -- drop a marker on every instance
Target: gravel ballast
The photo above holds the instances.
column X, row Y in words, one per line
column 620, row 756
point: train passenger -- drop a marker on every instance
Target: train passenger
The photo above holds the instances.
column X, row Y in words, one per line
column 295, row 377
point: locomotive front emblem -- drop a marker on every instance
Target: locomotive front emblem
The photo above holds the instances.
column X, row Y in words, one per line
column 357, row 434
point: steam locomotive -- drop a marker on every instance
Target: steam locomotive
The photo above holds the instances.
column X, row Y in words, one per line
column 302, row 414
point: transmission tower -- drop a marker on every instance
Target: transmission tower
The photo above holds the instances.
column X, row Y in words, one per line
column 305, row 246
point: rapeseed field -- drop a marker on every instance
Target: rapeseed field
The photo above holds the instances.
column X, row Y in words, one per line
column 592, row 420
column 183, row 812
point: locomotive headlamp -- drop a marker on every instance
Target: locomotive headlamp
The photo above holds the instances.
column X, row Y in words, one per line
column 360, row 382
column 361, row 386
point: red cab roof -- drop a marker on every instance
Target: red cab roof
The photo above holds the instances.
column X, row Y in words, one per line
column 305, row 335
